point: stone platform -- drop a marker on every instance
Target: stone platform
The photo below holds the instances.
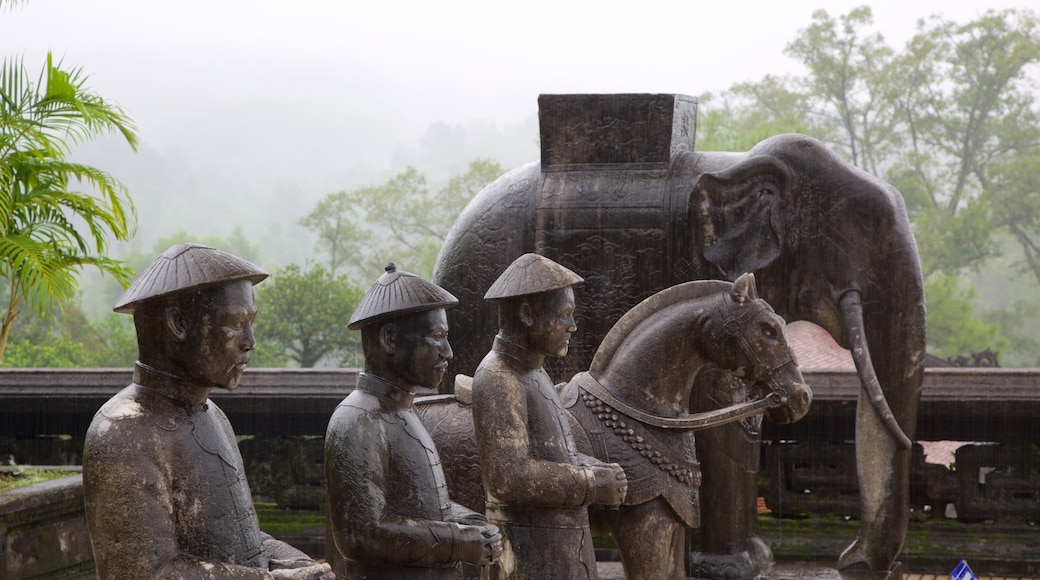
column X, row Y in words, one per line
column 812, row 571
column 786, row 571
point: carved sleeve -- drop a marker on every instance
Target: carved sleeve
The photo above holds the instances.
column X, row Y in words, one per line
column 130, row 512
column 513, row 474
column 463, row 515
column 365, row 525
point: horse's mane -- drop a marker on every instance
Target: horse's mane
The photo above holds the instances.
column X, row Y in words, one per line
column 646, row 308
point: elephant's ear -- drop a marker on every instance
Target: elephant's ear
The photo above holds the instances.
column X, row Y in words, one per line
column 738, row 212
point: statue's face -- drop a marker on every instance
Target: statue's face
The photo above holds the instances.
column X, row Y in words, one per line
column 421, row 349
column 553, row 317
column 222, row 335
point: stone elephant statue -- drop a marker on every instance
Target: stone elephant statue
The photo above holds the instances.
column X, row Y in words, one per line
column 621, row 197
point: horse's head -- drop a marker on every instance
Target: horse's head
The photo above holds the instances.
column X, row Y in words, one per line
column 652, row 356
column 748, row 338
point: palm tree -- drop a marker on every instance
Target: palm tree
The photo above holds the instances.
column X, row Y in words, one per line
column 56, row 216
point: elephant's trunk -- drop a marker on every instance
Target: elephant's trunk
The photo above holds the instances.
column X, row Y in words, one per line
column 852, row 313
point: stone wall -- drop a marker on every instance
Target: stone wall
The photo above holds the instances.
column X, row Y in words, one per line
column 43, row 533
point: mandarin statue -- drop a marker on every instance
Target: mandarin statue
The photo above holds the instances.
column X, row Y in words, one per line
column 165, row 489
column 536, row 482
column 389, row 512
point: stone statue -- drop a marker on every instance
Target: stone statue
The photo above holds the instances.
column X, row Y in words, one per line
column 622, row 197
column 165, row 489
column 630, row 408
column 537, row 484
column 388, row 502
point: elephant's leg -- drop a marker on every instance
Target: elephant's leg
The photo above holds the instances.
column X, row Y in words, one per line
column 651, row 541
column 727, row 543
column 884, row 489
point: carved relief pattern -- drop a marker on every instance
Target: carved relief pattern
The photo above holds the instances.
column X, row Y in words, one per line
column 494, row 237
column 589, row 130
column 638, row 188
column 625, row 135
column 450, row 424
column 686, row 269
column 614, row 282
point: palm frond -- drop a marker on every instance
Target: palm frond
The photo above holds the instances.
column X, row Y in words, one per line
column 41, row 276
column 55, row 112
column 56, row 216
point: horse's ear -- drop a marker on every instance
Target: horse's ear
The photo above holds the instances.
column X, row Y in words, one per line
column 744, row 289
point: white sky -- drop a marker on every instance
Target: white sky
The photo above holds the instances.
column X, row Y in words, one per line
column 419, row 61
column 250, row 111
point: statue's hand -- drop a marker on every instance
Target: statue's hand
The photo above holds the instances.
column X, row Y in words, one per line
column 611, row 484
column 481, row 545
column 309, row 571
column 282, row 564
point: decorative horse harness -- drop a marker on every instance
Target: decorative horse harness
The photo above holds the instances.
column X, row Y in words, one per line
column 609, row 409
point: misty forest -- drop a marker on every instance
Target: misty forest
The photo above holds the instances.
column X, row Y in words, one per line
column 951, row 119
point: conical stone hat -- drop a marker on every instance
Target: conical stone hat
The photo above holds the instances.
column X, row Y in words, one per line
column 186, row 267
column 531, row 274
column 397, row 292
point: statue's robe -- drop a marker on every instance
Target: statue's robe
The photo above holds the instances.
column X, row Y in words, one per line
column 165, row 489
column 388, row 502
column 537, row 484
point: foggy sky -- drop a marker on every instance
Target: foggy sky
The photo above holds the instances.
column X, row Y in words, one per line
column 280, row 103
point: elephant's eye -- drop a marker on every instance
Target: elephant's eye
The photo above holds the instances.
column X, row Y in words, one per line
column 765, row 189
column 769, row 332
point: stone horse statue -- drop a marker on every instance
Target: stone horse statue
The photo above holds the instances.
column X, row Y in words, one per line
column 632, row 407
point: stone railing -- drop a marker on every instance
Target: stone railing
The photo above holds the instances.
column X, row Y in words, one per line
column 45, row 412
column 43, row 533
column 810, row 465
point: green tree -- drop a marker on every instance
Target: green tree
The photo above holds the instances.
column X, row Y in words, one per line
column 845, row 85
column 940, row 119
column 968, row 110
column 952, row 121
column 49, row 229
column 402, row 221
column 746, row 113
column 116, row 342
column 65, row 338
column 950, row 315
column 303, row 315
column 1018, row 322
column 1013, row 198
column 337, row 222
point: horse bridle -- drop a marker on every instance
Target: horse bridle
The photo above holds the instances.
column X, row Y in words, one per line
column 694, row 422
column 734, row 326
column 737, row 327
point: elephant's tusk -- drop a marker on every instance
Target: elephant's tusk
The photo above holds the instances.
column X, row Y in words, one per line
column 852, row 314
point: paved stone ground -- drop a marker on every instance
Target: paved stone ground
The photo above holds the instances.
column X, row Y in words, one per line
column 613, row 571
column 802, row 571
column 610, row 571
